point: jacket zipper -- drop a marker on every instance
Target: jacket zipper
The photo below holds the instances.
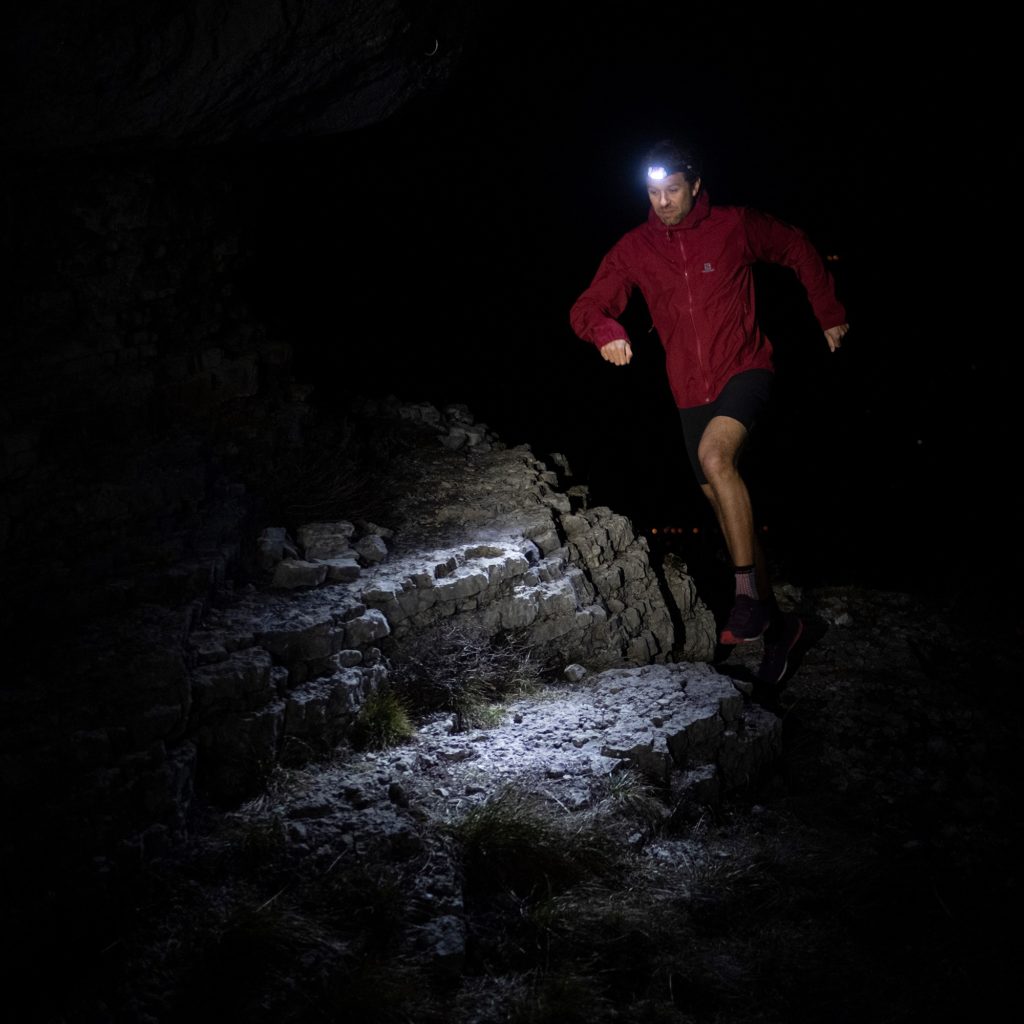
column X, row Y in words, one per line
column 696, row 333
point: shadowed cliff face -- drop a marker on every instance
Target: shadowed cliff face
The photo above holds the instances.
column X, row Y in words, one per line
column 132, row 136
column 159, row 73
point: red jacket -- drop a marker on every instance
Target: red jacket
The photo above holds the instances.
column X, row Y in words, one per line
column 696, row 278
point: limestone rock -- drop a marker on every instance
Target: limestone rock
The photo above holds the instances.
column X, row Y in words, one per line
column 342, row 570
column 370, row 626
column 293, row 572
column 323, row 541
column 699, row 631
column 273, row 546
column 371, row 549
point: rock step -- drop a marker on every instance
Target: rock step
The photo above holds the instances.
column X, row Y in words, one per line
column 683, row 725
column 212, row 691
column 572, row 582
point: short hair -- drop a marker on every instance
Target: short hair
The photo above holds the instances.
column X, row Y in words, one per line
column 674, row 157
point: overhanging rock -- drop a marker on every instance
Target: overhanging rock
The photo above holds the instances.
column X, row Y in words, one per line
column 201, row 74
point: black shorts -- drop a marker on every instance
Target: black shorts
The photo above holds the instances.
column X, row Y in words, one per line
column 743, row 398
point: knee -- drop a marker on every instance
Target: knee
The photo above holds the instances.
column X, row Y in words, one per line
column 716, row 464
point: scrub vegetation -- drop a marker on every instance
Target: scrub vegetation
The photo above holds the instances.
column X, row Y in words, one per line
column 459, row 670
column 383, row 721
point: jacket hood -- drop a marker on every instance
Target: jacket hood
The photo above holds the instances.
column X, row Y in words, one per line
column 700, row 211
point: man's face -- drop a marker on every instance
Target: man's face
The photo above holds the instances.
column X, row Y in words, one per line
column 672, row 198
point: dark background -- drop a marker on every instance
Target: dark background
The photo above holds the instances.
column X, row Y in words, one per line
column 436, row 256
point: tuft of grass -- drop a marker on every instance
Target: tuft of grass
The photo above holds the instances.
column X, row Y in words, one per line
column 383, row 721
column 631, row 936
column 474, row 708
column 518, row 843
column 467, row 672
column 629, row 793
column 367, row 903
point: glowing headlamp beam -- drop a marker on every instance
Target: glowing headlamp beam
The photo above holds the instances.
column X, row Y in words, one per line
column 656, row 173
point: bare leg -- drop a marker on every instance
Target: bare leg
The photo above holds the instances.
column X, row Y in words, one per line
column 719, row 453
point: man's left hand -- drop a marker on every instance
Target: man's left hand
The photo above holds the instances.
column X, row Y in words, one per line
column 834, row 336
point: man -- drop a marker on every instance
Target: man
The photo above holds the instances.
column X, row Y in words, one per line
column 692, row 263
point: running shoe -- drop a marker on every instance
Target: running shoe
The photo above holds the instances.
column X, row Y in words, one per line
column 778, row 644
column 747, row 621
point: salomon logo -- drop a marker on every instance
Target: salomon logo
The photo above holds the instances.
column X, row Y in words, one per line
column 708, row 268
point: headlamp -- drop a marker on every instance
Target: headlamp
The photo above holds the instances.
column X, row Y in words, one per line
column 657, row 173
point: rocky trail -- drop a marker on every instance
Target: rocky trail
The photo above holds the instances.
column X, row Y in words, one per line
column 560, row 816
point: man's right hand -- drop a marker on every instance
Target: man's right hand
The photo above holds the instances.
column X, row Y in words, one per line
column 618, row 352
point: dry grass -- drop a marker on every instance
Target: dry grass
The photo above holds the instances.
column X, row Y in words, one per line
column 463, row 670
column 383, row 721
column 519, row 844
